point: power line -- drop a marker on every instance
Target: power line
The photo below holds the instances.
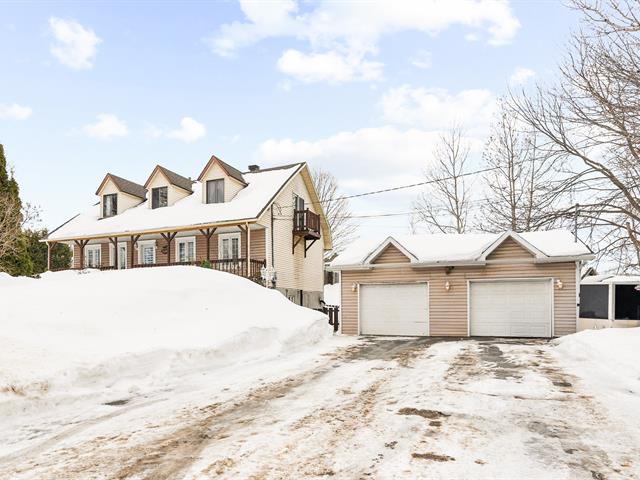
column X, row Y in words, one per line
column 400, row 187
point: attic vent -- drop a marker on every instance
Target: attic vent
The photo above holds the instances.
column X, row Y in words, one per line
column 254, row 168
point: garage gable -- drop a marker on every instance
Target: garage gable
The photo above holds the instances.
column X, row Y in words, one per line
column 391, row 254
column 509, row 249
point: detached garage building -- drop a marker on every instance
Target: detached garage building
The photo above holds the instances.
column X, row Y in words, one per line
column 503, row 285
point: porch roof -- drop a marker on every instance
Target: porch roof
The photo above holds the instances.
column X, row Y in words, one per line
column 189, row 212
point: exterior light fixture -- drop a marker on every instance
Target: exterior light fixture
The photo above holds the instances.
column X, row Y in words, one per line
column 637, row 288
column 354, row 287
column 559, row 284
column 447, row 286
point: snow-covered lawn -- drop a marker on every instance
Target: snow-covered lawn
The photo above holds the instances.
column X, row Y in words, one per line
column 303, row 404
column 116, row 331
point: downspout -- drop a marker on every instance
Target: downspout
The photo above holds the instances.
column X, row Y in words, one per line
column 273, row 258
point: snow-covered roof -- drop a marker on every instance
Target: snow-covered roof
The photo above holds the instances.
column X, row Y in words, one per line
column 469, row 248
column 607, row 279
column 248, row 204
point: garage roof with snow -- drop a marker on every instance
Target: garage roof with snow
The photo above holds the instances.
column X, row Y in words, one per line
column 456, row 249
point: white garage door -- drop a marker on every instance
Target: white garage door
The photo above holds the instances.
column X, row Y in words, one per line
column 398, row 309
column 511, row 308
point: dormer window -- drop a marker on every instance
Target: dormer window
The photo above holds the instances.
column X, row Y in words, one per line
column 109, row 205
column 215, row 191
column 159, row 197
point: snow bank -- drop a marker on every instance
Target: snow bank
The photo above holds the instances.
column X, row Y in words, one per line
column 91, row 330
column 606, row 361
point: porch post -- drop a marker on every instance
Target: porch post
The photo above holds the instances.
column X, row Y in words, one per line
column 81, row 244
column 114, row 242
column 168, row 237
column 208, row 233
column 134, row 241
column 248, row 244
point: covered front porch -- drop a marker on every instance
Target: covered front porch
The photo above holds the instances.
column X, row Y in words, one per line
column 239, row 249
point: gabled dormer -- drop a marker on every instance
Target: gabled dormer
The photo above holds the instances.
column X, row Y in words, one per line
column 166, row 187
column 118, row 194
column 220, row 181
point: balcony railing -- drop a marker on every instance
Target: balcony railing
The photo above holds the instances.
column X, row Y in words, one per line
column 251, row 269
column 306, row 223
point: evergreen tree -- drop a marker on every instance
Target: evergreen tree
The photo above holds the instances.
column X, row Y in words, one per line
column 8, row 184
column 16, row 261
column 60, row 253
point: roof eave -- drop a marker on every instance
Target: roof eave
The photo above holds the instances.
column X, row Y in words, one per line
column 183, row 228
column 565, row 258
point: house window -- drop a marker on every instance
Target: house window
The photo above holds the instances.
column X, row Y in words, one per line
column 147, row 252
column 92, row 256
column 110, row 205
column 215, row 191
column 159, row 197
column 122, row 256
column 594, row 301
column 298, row 216
column 229, row 246
column 627, row 304
column 186, row 249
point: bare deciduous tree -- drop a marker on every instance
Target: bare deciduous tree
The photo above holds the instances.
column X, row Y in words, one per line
column 443, row 206
column 520, row 187
column 336, row 209
column 591, row 118
column 10, row 224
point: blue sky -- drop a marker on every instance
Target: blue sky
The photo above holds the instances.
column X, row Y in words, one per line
column 361, row 89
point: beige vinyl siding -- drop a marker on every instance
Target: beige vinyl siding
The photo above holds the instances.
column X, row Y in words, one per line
column 104, row 254
column 258, row 245
column 231, row 185
column 448, row 309
column 162, row 251
column 76, row 256
column 509, row 249
column 173, row 193
column 201, row 247
column 125, row 201
column 391, row 254
column 293, row 269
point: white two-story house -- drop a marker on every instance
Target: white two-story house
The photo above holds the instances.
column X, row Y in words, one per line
column 264, row 224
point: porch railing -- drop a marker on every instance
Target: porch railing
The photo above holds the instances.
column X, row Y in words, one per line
column 305, row 221
column 251, row 269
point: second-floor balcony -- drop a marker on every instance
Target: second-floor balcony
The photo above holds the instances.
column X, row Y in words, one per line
column 306, row 224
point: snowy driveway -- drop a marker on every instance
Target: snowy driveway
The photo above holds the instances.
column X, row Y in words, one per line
column 375, row 408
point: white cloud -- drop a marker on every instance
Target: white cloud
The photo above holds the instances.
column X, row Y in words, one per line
column 521, row 75
column 153, row 132
column 438, row 108
column 14, row 112
column 190, row 130
column 422, row 60
column 360, row 154
column 330, row 67
column 107, row 127
column 364, row 160
column 354, row 29
column 75, row 45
